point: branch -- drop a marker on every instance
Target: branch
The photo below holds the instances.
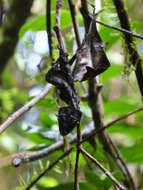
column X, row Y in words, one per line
column 24, row 109
column 48, row 168
column 134, row 56
column 87, row 133
column 48, row 25
column 113, row 122
column 14, row 19
column 57, row 25
column 125, row 31
column 105, row 171
column 75, row 23
column 79, row 138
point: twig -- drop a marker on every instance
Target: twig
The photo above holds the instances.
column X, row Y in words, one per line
column 57, row 25
column 48, row 168
column 75, row 23
column 112, row 123
column 123, row 165
column 106, row 172
column 86, row 133
column 79, row 138
column 24, row 109
column 85, row 14
column 128, row 32
column 134, row 56
column 48, row 25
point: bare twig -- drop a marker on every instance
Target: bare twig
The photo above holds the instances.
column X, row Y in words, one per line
column 128, row 32
column 57, row 25
column 48, row 24
column 48, row 168
column 24, row 109
column 106, row 172
column 75, row 23
column 86, row 133
column 79, row 138
column 112, row 123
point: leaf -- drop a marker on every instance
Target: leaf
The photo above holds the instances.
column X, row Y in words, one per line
column 39, row 22
column 133, row 154
column 47, row 182
column 91, row 59
column 68, row 118
column 98, row 180
column 114, row 71
column 132, row 132
column 69, row 186
column 120, row 106
column 47, row 119
column 109, row 36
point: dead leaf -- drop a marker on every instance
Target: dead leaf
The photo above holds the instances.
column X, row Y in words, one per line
column 91, row 59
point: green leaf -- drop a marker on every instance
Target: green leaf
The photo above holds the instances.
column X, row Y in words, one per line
column 38, row 138
column 69, row 186
column 133, row 154
column 113, row 71
column 98, row 180
column 39, row 22
column 47, row 119
column 109, row 36
column 133, row 132
column 120, row 106
column 47, row 182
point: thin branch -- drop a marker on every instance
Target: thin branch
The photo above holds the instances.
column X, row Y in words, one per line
column 75, row 23
column 129, row 41
column 48, row 25
column 123, row 165
column 112, row 123
column 105, row 171
column 128, row 32
column 87, row 133
column 24, row 109
column 79, row 138
column 48, row 168
column 57, row 25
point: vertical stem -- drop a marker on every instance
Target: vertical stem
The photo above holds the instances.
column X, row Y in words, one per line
column 48, row 24
column 57, row 26
column 134, row 56
column 79, row 138
column 75, row 23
